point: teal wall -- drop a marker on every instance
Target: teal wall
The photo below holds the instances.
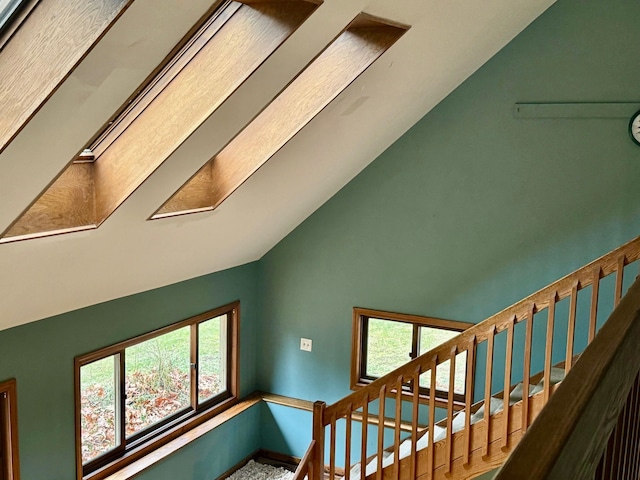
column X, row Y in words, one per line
column 470, row 210
column 210, row 456
column 40, row 356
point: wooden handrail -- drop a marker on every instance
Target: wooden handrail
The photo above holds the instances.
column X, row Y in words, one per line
column 306, row 463
column 570, row 434
column 401, row 384
column 534, row 303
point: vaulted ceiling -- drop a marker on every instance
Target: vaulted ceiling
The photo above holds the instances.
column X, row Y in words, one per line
column 39, row 277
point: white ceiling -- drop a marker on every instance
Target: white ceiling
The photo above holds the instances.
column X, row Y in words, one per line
column 447, row 42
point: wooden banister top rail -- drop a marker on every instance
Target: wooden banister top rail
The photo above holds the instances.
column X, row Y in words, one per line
column 578, row 280
column 569, row 436
column 303, row 467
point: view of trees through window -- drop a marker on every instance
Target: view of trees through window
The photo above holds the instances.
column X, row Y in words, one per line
column 161, row 377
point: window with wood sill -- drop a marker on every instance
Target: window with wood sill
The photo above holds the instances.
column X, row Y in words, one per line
column 9, row 461
column 135, row 396
column 383, row 341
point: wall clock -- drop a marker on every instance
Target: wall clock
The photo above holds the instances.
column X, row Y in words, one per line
column 634, row 128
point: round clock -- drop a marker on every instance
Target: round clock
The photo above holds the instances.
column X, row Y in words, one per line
column 634, row 128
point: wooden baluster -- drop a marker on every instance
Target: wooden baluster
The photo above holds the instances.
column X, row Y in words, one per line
column 318, row 436
column 507, row 384
column 633, row 456
column 527, row 368
column 618, row 436
column 415, row 414
column 626, row 435
column 634, row 449
column 468, row 398
column 631, row 425
column 607, row 459
column 452, row 383
column 571, row 328
column 396, row 436
column 549, row 347
column 630, row 435
column 381, row 403
column 432, row 415
column 636, row 457
column 347, row 453
column 619, row 278
column 487, row 390
column 595, row 289
column 332, row 448
column 365, row 432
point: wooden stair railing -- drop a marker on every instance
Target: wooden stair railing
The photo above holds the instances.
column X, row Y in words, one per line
column 305, row 467
column 591, row 427
column 490, row 441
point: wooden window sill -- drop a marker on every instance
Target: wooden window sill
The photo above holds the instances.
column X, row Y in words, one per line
column 138, row 466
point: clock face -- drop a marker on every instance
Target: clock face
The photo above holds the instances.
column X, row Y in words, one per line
column 634, row 128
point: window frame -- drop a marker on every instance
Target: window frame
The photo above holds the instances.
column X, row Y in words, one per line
column 359, row 379
column 158, row 434
column 9, row 457
column 14, row 20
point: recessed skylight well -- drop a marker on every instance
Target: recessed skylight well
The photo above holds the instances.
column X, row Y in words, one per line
column 229, row 46
column 333, row 70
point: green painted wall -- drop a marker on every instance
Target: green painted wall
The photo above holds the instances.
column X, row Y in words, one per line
column 210, row 456
column 40, row 356
column 470, row 210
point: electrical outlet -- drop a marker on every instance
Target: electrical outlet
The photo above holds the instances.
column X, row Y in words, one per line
column 305, row 344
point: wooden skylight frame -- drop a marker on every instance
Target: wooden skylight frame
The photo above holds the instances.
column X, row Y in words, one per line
column 33, row 66
column 356, row 48
column 234, row 39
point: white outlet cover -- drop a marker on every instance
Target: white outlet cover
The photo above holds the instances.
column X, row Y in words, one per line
column 306, row 344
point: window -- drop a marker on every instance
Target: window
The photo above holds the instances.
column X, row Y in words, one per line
column 139, row 394
column 384, row 341
column 8, row 432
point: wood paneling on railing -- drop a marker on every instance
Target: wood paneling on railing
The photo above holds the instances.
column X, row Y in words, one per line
column 572, row 438
column 231, row 44
column 484, row 444
column 350, row 54
column 43, row 51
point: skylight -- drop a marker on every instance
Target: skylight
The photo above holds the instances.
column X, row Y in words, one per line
column 349, row 55
column 230, row 45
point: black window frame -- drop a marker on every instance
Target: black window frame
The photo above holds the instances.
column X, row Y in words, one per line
column 154, row 436
column 361, row 317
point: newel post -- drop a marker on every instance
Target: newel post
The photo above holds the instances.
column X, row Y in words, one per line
column 318, row 436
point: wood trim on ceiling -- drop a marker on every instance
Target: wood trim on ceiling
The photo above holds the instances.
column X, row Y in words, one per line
column 223, row 53
column 359, row 45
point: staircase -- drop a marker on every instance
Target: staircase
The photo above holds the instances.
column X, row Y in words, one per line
column 528, row 347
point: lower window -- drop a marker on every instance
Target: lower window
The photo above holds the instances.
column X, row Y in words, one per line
column 384, row 341
column 139, row 394
column 8, row 432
